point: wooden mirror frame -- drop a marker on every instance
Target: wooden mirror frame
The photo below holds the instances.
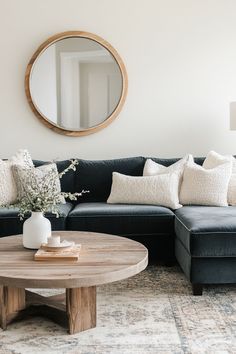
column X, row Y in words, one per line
column 105, row 44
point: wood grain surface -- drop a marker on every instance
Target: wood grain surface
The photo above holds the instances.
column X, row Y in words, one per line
column 103, row 259
column 81, row 309
column 12, row 300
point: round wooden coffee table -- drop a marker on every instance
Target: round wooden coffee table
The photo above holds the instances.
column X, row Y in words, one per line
column 103, row 259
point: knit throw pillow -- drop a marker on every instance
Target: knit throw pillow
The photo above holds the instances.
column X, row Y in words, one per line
column 202, row 186
column 214, row 159
column 156, row 190
column 152, row 168
column 8, row 187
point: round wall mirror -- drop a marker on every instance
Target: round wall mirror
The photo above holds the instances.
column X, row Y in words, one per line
column 76, row 83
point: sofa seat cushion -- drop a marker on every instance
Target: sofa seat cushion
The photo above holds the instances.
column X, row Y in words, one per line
column 207, row 231
column 121, row 219
column 10, row 223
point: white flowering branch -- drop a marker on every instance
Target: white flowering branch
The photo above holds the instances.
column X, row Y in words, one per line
column 42, row 194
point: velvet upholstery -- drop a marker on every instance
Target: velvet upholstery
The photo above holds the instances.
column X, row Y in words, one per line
column 207, row 231
column 206, row 270
column 205, row 244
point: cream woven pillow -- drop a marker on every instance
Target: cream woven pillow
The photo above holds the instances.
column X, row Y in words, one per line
column 155, row 190
column 152, row 168
column 202, row 186
column 8, row 188
column 214, row 159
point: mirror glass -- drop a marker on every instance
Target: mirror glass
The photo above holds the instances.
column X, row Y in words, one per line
column 75, row 83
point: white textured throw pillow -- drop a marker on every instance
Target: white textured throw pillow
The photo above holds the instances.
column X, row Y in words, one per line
column 214, row 159
column 152, row 168
column 202, row 186
column 8, row 188
column 39, row 174
column 157, row 190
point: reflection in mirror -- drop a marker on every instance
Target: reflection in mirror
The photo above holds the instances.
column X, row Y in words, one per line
column 76, row 83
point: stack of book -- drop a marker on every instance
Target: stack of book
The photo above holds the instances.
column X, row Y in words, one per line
column 67, row 254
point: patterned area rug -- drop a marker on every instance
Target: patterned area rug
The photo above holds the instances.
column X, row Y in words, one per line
column 153, row 312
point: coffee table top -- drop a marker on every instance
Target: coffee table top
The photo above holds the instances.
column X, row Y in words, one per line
column 103, row 259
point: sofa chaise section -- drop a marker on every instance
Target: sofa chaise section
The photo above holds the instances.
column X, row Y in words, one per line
column 205, row 244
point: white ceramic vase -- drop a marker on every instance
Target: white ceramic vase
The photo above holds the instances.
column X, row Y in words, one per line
column 36, row 230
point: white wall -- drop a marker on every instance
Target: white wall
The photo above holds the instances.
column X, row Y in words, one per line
column 181, row 61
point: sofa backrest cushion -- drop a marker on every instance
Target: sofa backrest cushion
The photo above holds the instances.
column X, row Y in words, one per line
column 96, row 176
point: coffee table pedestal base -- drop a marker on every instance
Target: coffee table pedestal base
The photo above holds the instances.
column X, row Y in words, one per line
column 75, row 310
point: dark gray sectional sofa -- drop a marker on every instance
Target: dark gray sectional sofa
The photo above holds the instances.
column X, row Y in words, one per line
column 203, row 239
